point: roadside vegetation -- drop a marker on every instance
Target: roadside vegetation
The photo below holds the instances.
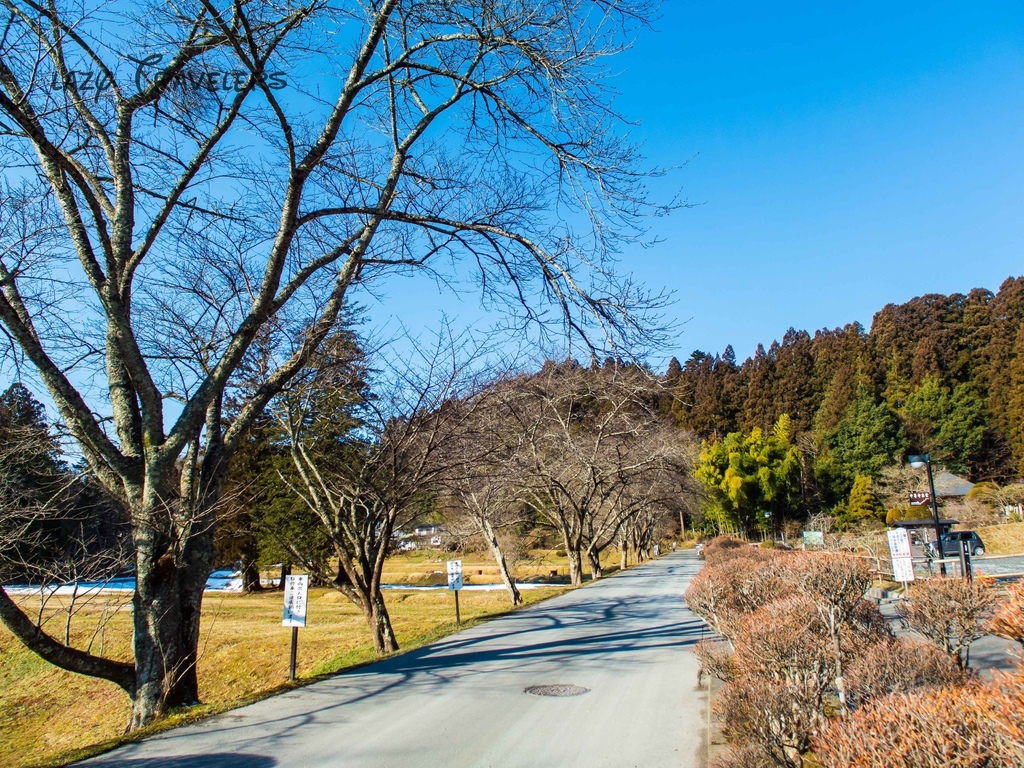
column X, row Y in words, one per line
column 49, row 716
column 815, row 676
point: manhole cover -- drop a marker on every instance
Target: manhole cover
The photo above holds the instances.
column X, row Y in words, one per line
column 561, row 689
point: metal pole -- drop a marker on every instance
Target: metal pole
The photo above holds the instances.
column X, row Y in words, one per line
column 458, row 619
column 935, row 517
column 295, row 647
column 965, row 560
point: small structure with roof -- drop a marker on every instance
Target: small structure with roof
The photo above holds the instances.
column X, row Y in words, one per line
column 949, row 486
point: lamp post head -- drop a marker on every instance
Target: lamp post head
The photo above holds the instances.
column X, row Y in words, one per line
column 919, row 461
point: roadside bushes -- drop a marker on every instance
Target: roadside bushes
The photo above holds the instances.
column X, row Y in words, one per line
column 899, row 666
column 791, row 623
column 815, row 676
column 977, row 725
column 1008, row 619
column 949, row 612
column 941, row 728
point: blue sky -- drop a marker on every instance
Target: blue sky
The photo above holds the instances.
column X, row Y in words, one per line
column 842, row 158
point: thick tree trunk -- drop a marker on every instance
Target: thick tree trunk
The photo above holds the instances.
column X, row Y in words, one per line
column 164, row 654
column 499, row 557
column 623, row 559
column 575, row 567
column 384, row 641
column 596, row 572
column 167, row 604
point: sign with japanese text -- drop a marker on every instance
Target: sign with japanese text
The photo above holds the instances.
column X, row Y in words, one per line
column 455, row 574
column 295, row 591
column 902, row 557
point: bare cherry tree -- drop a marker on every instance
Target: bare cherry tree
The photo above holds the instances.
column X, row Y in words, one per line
column 485, row 505
column 590, row 452
column 185, row 182
column 366, row 461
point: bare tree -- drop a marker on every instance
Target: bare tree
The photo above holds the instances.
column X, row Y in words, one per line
column 591, row 454
column 365, row 467
column 173, row 199
column 481, row 496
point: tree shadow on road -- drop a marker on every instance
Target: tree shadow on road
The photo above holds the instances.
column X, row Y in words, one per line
column 219, row 760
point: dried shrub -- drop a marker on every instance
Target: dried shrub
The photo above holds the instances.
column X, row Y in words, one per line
column 722, row 548
column 716, row 659
column 899, row 666
column 949, row 612
column 775, row 719
column 709, row 596
column 836, row 584
column 1006, row 693
column 759, row 582
column 864, row 627
column 941, row 728
column 785, row 641
column 1008, row 619
column 725, row 592
column 742, row 756
column 782, row 671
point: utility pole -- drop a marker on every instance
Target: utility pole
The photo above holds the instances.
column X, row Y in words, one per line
column 924, row 460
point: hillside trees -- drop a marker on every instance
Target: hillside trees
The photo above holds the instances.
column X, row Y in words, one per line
column 940, row 374
column 155, row 234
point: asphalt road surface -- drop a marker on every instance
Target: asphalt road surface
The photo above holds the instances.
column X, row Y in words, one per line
column 462, row 701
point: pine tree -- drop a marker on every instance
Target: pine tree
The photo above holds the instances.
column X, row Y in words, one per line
column 869, row 439
column 759, row 409
column 862, row 505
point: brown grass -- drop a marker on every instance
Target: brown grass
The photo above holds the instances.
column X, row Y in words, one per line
column 48, row 716
column 1005, row 539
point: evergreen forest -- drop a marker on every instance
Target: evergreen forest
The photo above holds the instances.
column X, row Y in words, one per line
column 942, row 375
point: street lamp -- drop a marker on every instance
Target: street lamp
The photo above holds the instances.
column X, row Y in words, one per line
column 923, row 460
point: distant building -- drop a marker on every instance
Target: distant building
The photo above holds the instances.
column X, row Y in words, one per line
column 429, row 530
column 949, row 486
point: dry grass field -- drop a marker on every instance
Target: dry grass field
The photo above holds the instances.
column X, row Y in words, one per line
column 1005, row 539
column 48, row 717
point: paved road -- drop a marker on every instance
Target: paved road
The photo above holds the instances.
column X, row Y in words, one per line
column 461, row 701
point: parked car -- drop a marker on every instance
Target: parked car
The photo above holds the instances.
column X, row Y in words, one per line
column 951, row 544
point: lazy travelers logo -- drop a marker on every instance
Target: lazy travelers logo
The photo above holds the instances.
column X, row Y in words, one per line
column 190, row 80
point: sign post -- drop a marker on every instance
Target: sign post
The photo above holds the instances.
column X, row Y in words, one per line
column 455, row 584
column 902, row 557
column 920, row 498
column 296, row 589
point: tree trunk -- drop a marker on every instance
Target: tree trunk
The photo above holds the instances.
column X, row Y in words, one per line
column 575, row 567
column 384, row 641
column 165, row 652
column 167, row 605
column 596, row 572
column 251, row 576
column 499, row 557
column 622, row 557
column 838, row 653
column 286, row 570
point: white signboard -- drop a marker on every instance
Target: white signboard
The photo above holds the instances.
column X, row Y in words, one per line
column 902, row 557
column 295, row 589
column 455, row 574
